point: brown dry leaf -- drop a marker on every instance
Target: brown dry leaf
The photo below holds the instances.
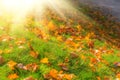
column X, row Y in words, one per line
column 12, row 64
column 91, row 44
column 13, row 76
column 31, row 67
column 74, row 55
column 117, row 64
column 1, row 60
column 20, row 66
column 29, row 78
column 44, row 60
column 63, row 66
column 6, row 38
column 20, row 42
column 34, row 54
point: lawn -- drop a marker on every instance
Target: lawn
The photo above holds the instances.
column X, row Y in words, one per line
column 54, row 48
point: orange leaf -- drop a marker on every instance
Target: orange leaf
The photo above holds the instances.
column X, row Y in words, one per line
column 98, row 78
column 93, row 60
column 12, row 64
column 44, row 60
column 53, row 73
column 51, row 26
column 34, row 54
column 31, row 67
column 83, row 57
column 118, row 75
column 13, row 76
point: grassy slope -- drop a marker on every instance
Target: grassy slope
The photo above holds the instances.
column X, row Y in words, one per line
column 71, row 48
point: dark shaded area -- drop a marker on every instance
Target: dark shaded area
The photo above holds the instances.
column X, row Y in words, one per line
column 103, row 13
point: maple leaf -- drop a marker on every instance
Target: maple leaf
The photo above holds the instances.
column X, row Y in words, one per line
column 11, row 64
column 44, row 60
column 13, row 76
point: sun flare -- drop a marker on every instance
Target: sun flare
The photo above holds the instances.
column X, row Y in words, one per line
column 19, row 9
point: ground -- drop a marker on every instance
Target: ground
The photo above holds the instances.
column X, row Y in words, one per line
column 57, row 49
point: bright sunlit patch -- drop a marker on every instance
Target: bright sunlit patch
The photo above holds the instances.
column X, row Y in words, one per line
column 16, row 5
column 15, row 11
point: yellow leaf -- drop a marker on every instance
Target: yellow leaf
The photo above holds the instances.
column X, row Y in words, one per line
column 44, row 60
column 69, row 76
column 13, row 76
column 51, row 26
column 12, row 64
column 1, row 51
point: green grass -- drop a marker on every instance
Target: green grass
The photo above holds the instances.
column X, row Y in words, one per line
column 56, row 52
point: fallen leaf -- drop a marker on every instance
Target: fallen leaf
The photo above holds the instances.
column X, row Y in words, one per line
column 29, row 78
column 83, row 57
column 13, row 76
column 34, row 54
column 93, row 60
column 117, row 64
column 74, row 55
column 98, row 78
column 20, row 65
column 91, row 44
column 21, row 47
column 7, row 51
column 1, row 51
column 11, row 64
column 53, row 73
column 118, row 75
column 31, row 67
column 44, row 60
column 63, row 66
column 1, row 60
column 51, row 26
column 69, row 76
